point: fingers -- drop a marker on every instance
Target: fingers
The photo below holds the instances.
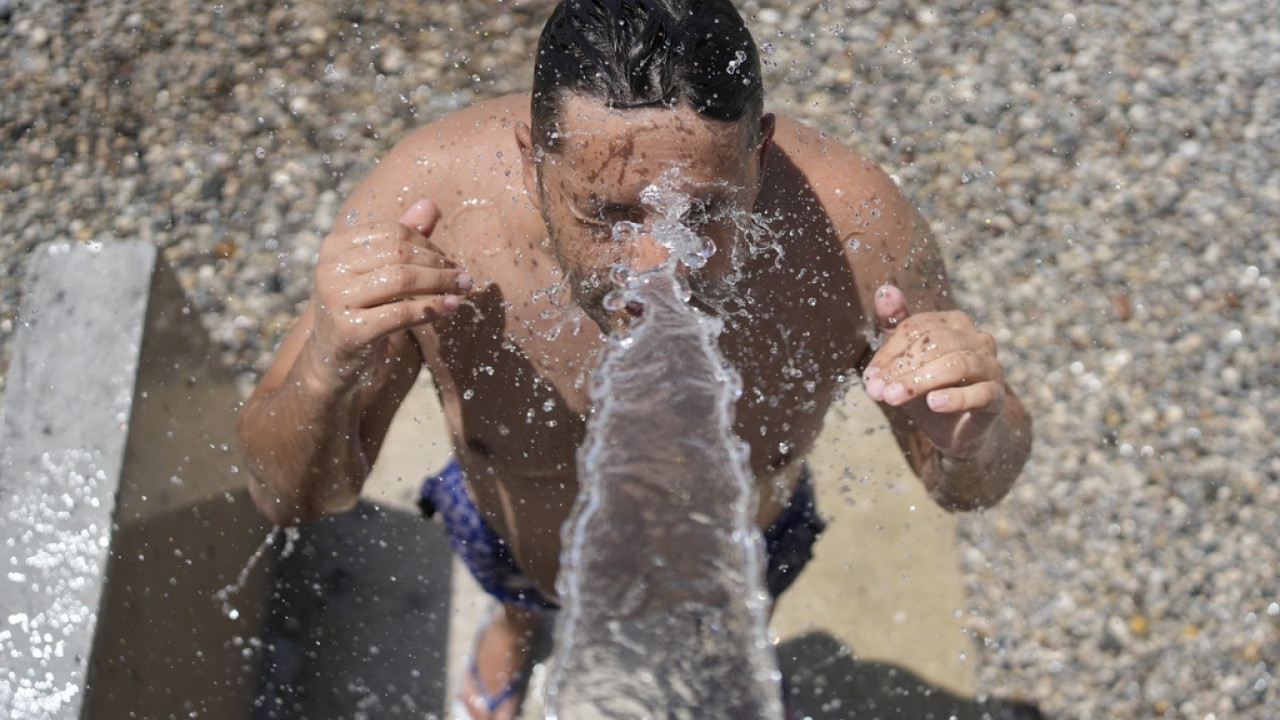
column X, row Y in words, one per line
column 919, row 339
column 381, row 277
column 421, row 217
column 381, row 247
column 412, row 230
column 947, row 382
column 934, row 360
column 363, row 326
column 392, row 283
column 891, row 307
column 350, row 332
column 986, row 398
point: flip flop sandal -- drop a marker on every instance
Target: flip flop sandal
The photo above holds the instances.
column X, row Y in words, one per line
column 514, row 687
column 491, row 703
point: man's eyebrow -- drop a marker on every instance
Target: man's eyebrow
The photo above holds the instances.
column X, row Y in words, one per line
column 714, row 197
column 589, row 213
column 600, row 205
column 594, row 210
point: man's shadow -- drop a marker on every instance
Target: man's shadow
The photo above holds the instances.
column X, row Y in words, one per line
column 357, row 619
column 825, row 681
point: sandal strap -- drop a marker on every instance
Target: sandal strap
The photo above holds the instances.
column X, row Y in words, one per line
column 493, row 702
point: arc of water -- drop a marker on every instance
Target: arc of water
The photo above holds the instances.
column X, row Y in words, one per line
column 665, row 613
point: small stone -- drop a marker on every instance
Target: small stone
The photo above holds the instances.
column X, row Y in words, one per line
column 1138, row 625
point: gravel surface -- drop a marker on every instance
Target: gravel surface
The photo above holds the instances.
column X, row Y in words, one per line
column 1103, row 179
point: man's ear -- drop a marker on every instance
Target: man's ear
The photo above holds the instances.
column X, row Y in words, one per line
column 528, row 163
column 767, row 124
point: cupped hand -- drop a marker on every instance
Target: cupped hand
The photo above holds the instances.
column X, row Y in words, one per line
column 940, row 370
column 378, row 279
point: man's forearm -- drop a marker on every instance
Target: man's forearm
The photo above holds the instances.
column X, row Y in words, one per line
column 303, row 446
column 981, row 481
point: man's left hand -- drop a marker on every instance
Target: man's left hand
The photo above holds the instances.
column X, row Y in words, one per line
column 940, row 369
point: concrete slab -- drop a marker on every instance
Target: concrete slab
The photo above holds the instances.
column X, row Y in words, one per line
column 123, row 514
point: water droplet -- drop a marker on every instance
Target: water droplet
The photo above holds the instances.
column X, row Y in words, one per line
column 615, row 301
column 739, row 57
column 620, row 274
column 693, row 261
column 625, row 231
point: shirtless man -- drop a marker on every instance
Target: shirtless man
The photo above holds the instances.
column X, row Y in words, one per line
column 481, row 247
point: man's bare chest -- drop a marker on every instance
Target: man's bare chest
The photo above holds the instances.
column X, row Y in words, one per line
column 514, row 377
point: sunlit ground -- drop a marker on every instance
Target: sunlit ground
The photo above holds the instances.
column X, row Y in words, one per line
column 1102, row 178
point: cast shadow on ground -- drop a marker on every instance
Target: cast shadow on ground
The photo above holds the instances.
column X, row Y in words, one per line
column 358, row 619
column 357, row 626
column 827, row 682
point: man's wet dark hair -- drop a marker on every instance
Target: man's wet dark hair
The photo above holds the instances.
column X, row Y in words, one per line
column 639, row 53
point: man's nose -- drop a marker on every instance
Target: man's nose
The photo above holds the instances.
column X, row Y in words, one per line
column 644, row 252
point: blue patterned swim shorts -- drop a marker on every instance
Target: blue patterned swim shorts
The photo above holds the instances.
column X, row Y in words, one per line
column 788, row 540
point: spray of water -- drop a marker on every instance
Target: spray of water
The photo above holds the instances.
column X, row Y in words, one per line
column 665, row 612
column 223, row 596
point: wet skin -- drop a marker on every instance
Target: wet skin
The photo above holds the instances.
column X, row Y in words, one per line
column 486, row 261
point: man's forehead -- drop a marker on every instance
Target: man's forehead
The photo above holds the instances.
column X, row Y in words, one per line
column 620, row 151
column 588, row 124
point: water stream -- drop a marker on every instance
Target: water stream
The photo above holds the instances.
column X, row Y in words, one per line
column 665, row 610
column 223, row 596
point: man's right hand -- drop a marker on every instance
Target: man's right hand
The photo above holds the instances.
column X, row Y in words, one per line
column 373, row 281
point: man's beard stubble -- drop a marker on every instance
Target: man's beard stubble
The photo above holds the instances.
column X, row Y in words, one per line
column 714, row 295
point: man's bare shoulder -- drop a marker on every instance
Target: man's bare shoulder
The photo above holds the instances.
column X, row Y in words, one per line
column 838, row 174
column 466, row 155
column 482, row 125
column 883, row 238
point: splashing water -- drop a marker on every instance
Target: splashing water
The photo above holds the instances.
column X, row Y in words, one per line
column 683, row 244
column 665, row 611
column 223, row 596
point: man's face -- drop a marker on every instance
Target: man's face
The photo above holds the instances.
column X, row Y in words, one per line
column 620, row 174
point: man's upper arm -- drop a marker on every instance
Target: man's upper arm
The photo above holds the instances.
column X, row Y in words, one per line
column 886, row 241
column 895, row 246
column 374, row 198
column 884, row 238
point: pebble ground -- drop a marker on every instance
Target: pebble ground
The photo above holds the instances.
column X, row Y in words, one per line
column 1103, row 179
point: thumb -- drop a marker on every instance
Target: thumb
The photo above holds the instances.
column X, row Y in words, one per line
column 891, row 307
column 421, row 216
